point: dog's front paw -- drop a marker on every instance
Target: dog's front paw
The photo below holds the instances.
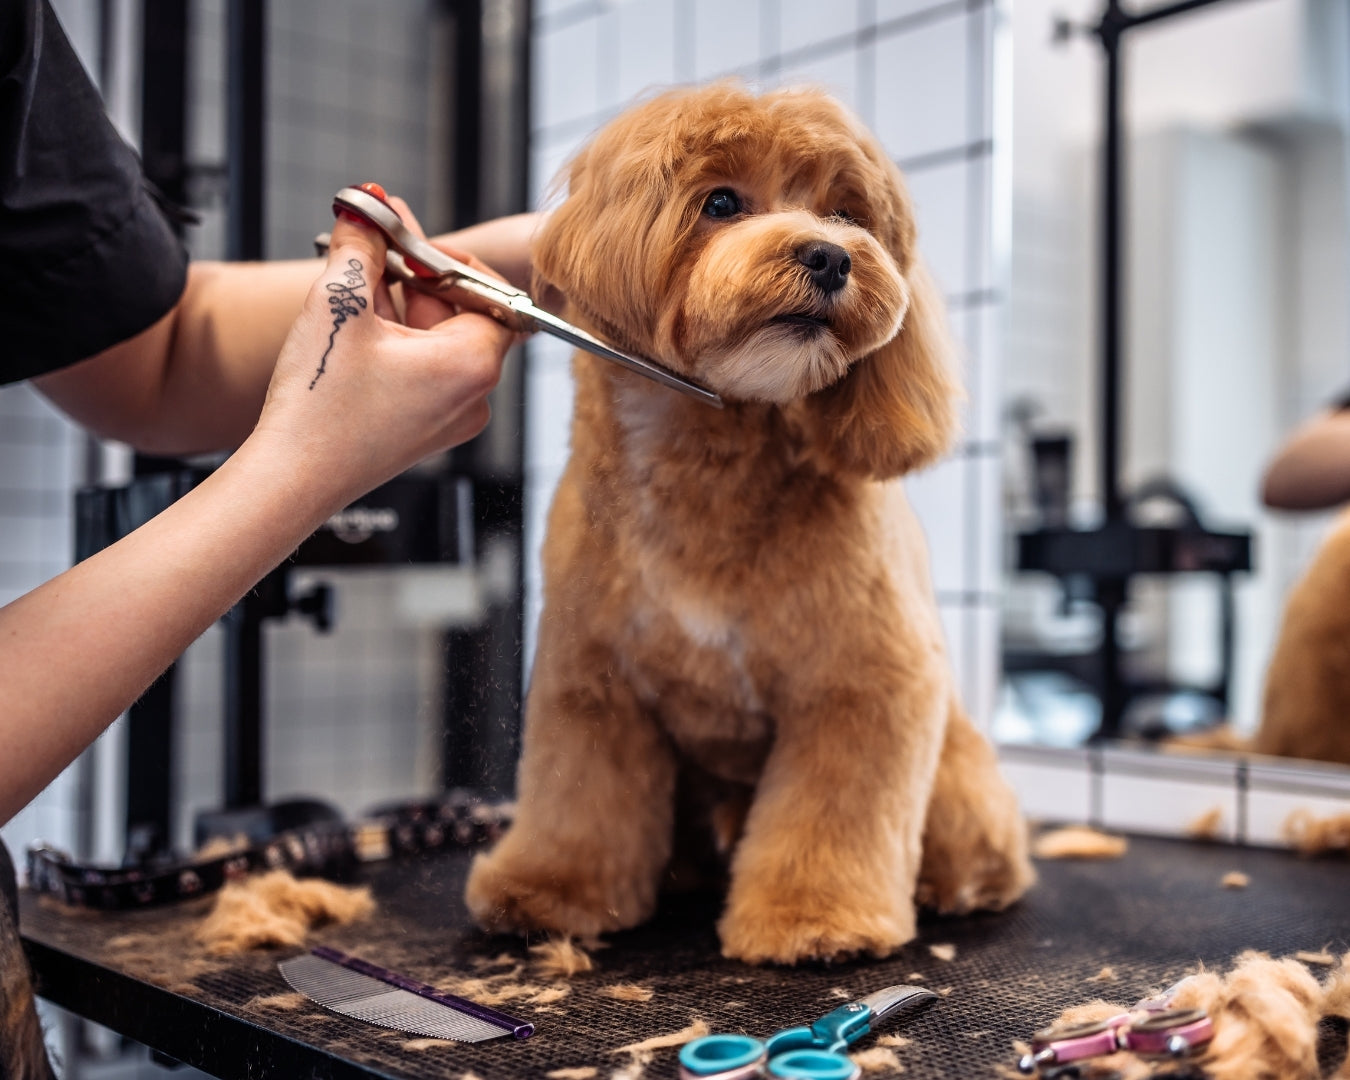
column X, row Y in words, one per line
column 771, row 931
column 513, row 894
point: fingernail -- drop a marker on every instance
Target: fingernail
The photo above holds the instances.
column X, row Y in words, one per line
column 346, row 215
column 418, row 269
column 376, row 190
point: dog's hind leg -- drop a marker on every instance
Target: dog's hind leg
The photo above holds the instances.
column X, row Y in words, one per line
column 975, row 840
column 592, row 833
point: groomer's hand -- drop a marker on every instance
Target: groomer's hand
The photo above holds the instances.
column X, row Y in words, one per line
column 357, row 397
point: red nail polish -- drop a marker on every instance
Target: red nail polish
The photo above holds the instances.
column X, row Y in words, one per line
column 418, row 269
column 346, row 215
column 376, row 190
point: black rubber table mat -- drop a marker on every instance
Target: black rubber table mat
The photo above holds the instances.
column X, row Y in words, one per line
column 1149, row 916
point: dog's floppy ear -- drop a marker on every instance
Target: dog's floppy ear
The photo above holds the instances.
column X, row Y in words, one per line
column 896, row 409
column 606, row 210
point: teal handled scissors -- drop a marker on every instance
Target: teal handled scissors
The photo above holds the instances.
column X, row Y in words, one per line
column 802, row 1052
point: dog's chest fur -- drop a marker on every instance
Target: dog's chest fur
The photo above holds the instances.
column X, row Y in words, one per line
column 712, row 571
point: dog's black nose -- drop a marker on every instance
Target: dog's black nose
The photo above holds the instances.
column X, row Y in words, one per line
column 829, row 264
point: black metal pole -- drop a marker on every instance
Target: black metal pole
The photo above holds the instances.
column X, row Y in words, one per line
column 243, row 678
column 1112, row 595
column 246, row 87
column 164, row 97
column 150, row 721
column 1109, row 31
column 242, row 719
column 490, row 155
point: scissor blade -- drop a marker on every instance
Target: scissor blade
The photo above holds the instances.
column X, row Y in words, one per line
column 897, row 999
column 574, row 335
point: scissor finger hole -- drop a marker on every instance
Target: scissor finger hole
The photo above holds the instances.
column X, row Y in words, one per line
column 813, row 1065
column 1172, row 1018
column 1062, row 1032
column 719, row 1055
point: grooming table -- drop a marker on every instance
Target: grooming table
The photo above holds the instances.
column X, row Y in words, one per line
column 1149, row 916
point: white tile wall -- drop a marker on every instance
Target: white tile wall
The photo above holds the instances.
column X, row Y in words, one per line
column 1146, row 804
column 647, row 45
column 727, row 36
column 804, row 25
column 1051, row 789
column 919, row 73
column 922, row 87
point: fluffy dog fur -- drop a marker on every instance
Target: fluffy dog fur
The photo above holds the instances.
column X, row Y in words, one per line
column 1306, row 699
column 1307, row 692
column 737, row 609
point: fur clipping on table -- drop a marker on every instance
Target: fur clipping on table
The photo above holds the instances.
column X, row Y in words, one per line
column 1078, row 842
column 1208, row 826
column 695, row 1030
column 275, row 909
column 1311, row 835
column 560, row 958
column 420, row 1045
column 1265, row 1013
column 627, row 992
column 878, row 1059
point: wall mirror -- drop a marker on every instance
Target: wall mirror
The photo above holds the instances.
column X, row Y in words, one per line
column 1145, row 580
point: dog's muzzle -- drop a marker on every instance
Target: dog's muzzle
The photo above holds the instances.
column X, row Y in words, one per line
column 828, row 264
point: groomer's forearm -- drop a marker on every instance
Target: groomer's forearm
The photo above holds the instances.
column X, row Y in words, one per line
column 77, row 651
column 195, row 381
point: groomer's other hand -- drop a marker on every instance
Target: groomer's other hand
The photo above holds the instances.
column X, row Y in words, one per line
column 422, row 310
column 358, row 397
column 502, row 243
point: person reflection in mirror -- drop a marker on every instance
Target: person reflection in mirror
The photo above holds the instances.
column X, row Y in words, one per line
column 1306, row 703
column 1311, row 469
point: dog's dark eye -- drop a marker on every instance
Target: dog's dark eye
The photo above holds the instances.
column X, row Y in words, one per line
column 722, row 203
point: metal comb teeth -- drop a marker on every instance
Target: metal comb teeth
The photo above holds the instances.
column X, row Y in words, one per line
column 328, row 978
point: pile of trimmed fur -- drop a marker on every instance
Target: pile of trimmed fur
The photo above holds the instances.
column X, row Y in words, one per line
column 1265, row 1014
column 276, row 909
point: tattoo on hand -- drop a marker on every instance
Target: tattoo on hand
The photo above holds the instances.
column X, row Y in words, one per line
column 345, row 303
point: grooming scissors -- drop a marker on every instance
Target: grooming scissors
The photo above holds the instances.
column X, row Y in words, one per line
column 1151, row 1029
column 421, row 266
column 802, row 1052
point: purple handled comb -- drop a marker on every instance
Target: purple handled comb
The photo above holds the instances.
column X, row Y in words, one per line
column 366, row 991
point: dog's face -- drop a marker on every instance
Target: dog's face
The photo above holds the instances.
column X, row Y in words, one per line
column 761, row 245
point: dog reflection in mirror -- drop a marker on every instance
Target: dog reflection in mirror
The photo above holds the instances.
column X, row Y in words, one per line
column 739, row 632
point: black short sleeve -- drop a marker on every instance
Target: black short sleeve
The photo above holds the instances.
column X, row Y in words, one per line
column 87, row 257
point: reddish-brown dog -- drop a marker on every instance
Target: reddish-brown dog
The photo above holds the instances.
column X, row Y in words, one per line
column 737, row 608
